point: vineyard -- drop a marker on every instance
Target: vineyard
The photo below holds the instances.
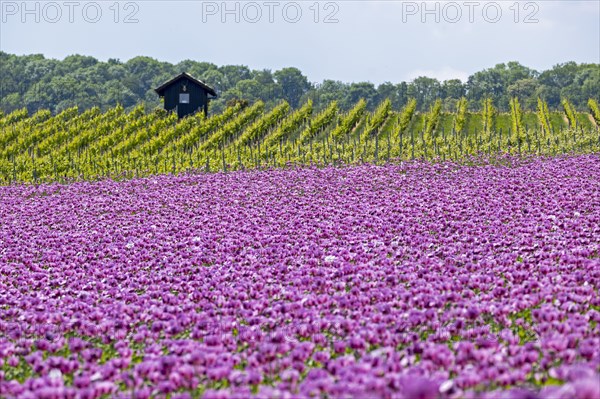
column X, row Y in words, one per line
column 90, row 145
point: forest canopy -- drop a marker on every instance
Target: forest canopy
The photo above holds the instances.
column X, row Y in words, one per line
column 36, row 82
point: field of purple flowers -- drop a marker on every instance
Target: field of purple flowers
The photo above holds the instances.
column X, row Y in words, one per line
column 401, row 281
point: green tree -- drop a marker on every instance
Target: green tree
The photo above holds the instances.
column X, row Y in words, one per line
column 525, row 90
column 453, row 88
column 425, row 90
column 364, row 90
column 233, row 74
column 293, row 84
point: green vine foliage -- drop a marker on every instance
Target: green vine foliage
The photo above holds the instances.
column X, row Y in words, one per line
column 489, row 116
column 543, row 116
column 323, row 119
column 89, row 145
column 349, row 121
column 595, row 110
column 570, row 113
column 406, row 115
column 461, row 115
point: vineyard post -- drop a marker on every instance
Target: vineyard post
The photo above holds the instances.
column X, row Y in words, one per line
column 258, row 155
column 280, row 146
column 401, row 144
column 112, row 160
column 364, row 151
column 255, row 159
column 54, row 167
column 485, row 115
column 376, row 147
column 345, row 143
column 34, row 166
column 324, row 152
column 14, row 168
column 412, row 142
column 389, row 146
column 223, row 157
column 423, row 142
column 499, row 139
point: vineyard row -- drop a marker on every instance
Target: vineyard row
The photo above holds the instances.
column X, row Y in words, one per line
column 93, row 145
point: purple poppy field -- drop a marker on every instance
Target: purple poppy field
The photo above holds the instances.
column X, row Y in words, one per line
column 419, row 280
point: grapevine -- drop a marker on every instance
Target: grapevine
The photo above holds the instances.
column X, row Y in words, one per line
column 461, row 115
column 488, row 116
column 290, row 124
column 406, row 115
column 543, row 116
column 518, row 128
column 121, row 144
column 217, row 139
column 323, row 119
column 377, row 120
column 570, row 113
column 261, row 127
column 595, row 110
column 349, row 121
column 433, row 118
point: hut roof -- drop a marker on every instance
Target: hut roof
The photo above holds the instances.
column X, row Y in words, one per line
column 184, row 75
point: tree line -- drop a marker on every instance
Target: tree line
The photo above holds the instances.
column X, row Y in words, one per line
column 36, row 82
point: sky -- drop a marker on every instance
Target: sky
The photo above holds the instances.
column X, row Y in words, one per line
column 347, row 40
